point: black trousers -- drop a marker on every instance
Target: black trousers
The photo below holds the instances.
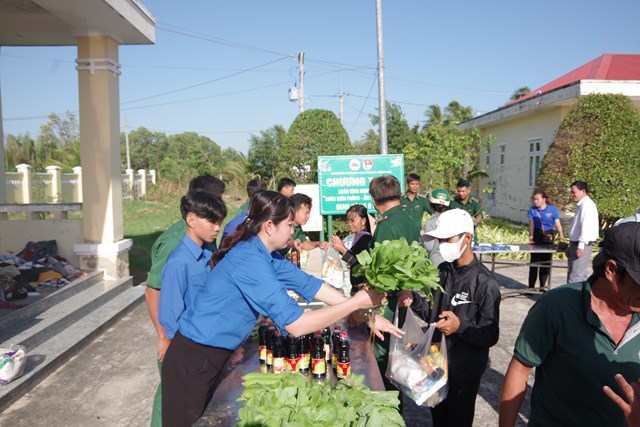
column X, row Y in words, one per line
column 458, row 409
column 541, row 272
column 189, row 372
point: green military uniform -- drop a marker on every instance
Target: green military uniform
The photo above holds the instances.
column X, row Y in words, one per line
column 160, row 251
column 298, row 233
column 472, row 207
column 416, row 208
column 394, row 224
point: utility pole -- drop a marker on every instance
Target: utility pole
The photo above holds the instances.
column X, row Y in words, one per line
column 381, row 102
column 301, row 69
column 340, row 114
column 126, row 141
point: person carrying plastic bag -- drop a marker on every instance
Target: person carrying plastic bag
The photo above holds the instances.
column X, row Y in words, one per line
column 467, row 313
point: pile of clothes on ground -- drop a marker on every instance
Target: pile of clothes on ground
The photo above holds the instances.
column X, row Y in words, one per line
column 38, row 264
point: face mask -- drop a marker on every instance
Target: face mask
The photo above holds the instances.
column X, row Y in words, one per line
column 452, row 251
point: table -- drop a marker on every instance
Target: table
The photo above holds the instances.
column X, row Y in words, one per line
column 529, row 249
column 223, row 408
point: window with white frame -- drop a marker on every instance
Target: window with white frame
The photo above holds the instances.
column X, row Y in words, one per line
column 488, row 156
column 503, row 150
column 535, row 156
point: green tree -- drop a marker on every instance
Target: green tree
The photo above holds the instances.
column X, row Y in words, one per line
column 58, row 143
column 399, row 133
column 456, row 113
column 235, row 170
column 146, row 149
column 263, row 158
column 369, row 144
column 19, row 149
column 519, row 93
column 596, row 142
column 188, row 155
column 434, row 116
column 313, row 133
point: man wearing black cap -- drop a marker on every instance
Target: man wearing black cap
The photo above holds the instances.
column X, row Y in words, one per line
column 579, row 336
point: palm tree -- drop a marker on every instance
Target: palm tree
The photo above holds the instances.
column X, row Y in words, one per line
column 434, row 116
column 519, row 93
column 456, row 113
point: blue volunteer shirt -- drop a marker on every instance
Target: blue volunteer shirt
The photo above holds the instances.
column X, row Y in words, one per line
column 233, row 224
column 247, row 282
column 182, row 277
column 547, row 217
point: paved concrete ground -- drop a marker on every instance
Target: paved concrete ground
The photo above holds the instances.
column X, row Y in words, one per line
column 112, row 381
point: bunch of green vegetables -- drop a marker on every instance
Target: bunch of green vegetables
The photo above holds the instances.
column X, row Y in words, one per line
column 293, row 400
column 394, row 265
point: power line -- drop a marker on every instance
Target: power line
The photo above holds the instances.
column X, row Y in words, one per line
column 373, row 83
column 203, row 83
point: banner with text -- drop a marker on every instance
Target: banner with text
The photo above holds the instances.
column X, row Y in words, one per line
column 344, row 180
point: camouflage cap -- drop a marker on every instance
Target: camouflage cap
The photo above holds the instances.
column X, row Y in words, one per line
column 439, row 197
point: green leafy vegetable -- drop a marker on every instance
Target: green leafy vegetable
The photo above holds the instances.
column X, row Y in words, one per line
column 292, row 400
column 394, row 265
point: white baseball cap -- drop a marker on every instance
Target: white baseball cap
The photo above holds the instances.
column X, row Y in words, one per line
column 451, row 223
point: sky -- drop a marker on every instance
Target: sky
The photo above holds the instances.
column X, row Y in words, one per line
column 223, row 69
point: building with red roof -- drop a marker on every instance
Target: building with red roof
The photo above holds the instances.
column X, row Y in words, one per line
column 524, row 129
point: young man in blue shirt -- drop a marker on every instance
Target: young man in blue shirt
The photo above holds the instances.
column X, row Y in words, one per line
column 187, row 266
column 189, row 263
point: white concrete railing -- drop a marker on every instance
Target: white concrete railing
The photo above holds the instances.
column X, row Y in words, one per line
column 55, row 186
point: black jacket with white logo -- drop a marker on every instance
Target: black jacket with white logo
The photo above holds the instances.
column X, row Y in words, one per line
column 473, row 294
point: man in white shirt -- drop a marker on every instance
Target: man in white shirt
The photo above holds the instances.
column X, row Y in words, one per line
column 583, row 232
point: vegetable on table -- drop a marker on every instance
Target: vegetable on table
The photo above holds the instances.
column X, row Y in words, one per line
column 293, row 400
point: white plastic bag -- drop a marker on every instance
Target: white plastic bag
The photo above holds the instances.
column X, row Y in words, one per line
column 417, row 366
column 332, row 270
column 12, row 363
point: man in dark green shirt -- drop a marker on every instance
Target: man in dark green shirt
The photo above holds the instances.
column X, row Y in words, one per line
column 413, row 203
column 393, row 224
column 467, row 203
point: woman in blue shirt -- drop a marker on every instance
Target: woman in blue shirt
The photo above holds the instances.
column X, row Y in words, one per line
column 246, row 281
column 544, row 220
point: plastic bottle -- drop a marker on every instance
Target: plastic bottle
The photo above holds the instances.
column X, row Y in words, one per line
column 271, row 331
column 344, row 361
column 303, row 354
column 292, row 360
column 262, row 342
column 326, row 339
column 335, row 341
column 278, row 354
column 295, row 257
column 318, row 362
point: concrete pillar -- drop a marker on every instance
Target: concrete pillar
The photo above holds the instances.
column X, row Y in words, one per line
column 142, row 192
column 152, row 172
column 3, row 182
column 55, row 189
column 78, row 195
column 130, row 181
column 99, row 85
column 25, row 186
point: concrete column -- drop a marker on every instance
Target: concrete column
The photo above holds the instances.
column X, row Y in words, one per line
column 152, row 172
column 99, row 85
column 130, row 180
column 3, row 182
column 143, row 183
column 25, row 186
column 55, row 189
column 78, row 193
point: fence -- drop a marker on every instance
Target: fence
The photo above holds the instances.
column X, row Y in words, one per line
column 54, row 186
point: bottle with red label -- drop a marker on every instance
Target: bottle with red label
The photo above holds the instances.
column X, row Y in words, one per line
column 304, row 354
column 344, row 362
column 326, row 340
column 278, row 354
column 292, row 360
column 271, row 331
column 318, row 362
column 262, row 342
column 295, row 257
column 335, row 341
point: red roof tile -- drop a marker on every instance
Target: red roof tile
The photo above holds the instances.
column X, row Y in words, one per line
column 605, row 67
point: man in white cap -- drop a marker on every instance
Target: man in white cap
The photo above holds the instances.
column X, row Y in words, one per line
column 467, row 313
